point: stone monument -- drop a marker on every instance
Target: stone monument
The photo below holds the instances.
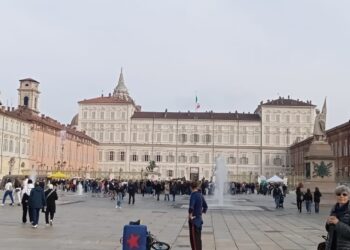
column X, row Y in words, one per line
column 319, row 160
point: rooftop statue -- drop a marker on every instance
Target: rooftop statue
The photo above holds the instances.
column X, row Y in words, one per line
column 320, row 124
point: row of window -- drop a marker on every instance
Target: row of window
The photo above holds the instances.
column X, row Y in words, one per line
column 278, row 130
column 12, row 146
column 243, row 159
column 287, row 118
column 104, row 115
column 182, row 138
column 14, row 127
column 167, row 128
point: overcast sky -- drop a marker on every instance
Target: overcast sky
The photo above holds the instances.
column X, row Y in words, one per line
column 232, row 54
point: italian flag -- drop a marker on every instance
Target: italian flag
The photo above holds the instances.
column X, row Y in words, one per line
column 197, row 104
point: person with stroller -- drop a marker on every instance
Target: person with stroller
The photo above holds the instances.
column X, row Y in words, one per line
column 278, row 196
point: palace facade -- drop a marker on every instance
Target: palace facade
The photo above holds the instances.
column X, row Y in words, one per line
column 186, row 144
column 37, row 143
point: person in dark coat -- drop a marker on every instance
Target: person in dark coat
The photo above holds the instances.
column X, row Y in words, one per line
column 197, row 207
column 51, row 198
column 338, row 223
column 317, row 200
column 158, row 189
column 131, row 192
column 36, row 202
column 300, row 196
column 308, row 200
column 25, row 201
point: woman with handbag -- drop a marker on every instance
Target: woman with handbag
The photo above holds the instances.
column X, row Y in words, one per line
column 51, row 198
column 338, row 223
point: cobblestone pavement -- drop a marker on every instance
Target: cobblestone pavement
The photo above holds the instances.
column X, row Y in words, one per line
column 85, row 222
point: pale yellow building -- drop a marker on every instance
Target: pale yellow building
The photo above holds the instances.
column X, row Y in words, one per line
column 186, row 144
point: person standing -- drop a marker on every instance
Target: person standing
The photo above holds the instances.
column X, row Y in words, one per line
column 131, row 192
column 173, row 189
column 308, row 200
column 17, row 191
column 166, row 191
column 338, row 223
column 25, row 201
column 8, row 192
column 197, row 206
column 317, row 199
column 158, row 189
column 51, row 197
column 119, row 191
column 300, row 196
column 36, row 202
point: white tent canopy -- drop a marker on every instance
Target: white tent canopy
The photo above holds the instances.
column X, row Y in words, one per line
column 275, row 178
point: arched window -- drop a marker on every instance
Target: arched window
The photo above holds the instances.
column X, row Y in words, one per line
column 26, row 101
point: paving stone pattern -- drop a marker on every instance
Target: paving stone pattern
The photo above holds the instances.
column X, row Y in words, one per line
column 85, row 222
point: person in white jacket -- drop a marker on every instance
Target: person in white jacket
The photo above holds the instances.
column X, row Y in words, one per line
column 8, row 192
column 25, row 198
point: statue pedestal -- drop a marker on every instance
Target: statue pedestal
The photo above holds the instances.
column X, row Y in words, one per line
column 320, row 168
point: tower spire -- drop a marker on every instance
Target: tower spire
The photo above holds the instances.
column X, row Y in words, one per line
column 121, row 90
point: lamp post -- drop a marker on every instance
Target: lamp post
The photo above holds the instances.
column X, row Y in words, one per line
column 141, row 173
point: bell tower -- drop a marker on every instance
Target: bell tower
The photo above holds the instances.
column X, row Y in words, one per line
column 28, row 94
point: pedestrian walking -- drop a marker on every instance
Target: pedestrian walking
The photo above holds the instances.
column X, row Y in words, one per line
column 36, row 202
column 51, row 198
column 308, row 200
column 300, row 197
column 119, row 191
column 8, row 192
column 317, row 199
column 25, row 201
column 197, row 206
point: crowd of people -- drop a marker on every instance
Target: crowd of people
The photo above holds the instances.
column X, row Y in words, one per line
column 33, row 198
column 42, row 195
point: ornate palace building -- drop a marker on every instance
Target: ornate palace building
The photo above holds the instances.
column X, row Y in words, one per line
column 33, row 142
column 186, row 144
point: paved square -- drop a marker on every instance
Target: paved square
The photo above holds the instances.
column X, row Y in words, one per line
column 85, row 222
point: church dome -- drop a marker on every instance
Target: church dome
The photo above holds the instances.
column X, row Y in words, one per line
column 74, row 121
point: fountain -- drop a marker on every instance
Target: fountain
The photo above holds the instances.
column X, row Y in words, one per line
column 220, row 201
column 33, row 175
column 80, row 189
column 220, row 179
